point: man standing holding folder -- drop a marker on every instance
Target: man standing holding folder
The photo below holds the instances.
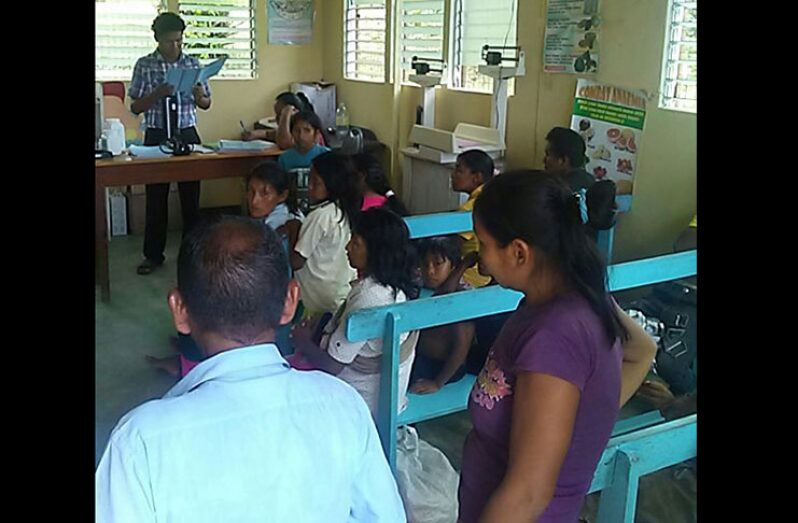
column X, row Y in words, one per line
column 148, row 89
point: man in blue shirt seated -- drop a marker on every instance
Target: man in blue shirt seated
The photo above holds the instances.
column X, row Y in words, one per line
column 243, row 437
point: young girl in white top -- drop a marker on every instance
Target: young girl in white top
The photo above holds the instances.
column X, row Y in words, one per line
column 318, row 256
column 380, row 250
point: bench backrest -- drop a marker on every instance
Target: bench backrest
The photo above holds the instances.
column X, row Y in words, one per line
column 389, row 321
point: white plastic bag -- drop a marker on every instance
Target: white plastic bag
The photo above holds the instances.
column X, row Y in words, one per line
column 427, row 482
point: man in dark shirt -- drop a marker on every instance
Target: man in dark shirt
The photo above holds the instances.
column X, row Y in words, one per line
column 565, row 154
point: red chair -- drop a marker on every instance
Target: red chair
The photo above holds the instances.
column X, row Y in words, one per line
column 114, row 89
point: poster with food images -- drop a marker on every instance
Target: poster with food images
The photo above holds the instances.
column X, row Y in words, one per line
column 571, row 43
column 610, row 120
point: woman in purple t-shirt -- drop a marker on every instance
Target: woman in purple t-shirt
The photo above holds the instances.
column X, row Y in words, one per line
column 544, row 405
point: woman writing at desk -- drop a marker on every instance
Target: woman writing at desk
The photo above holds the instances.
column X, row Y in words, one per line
column 286, row 105
column 148, row 88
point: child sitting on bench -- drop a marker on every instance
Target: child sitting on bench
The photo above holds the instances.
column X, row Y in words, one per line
column 442, row 351
column 381, row 252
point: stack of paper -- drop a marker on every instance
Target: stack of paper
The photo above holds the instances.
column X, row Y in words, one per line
column 147, row 151
column 239, row 145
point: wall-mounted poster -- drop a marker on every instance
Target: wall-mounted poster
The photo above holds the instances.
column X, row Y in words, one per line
column 290, row 21
column 571, row 44
column 610, row 119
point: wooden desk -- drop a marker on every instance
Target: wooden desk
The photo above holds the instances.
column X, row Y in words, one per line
column 123, row 170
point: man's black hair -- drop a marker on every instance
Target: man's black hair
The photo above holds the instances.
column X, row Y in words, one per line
column 167, row 23
column 566, row 143
column 233, row 275
column 478, row 161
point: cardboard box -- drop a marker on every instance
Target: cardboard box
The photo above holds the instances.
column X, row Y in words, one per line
column 322, row 96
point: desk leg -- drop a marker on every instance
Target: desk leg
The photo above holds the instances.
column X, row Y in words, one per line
column 101, row 244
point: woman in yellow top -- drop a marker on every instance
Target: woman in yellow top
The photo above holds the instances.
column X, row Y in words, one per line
column 473, row 170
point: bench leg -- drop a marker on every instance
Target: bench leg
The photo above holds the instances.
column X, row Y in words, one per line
column 389, row 391
column 619, row 501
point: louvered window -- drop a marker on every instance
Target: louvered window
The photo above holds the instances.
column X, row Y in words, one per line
column 122, row 35
column 420, row 33
column 364, row 40
column 679, row 88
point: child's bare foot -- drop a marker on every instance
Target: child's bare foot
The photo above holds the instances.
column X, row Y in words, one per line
column 170, row 364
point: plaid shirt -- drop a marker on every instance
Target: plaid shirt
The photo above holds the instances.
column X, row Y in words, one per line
column 150, row 72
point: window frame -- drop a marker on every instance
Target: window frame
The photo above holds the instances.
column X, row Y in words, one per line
column 254, row 65
column 445, row 29
column 125, row 75
column 387, row 59
column 668, row 84
column 455, row 49
column 175, row 6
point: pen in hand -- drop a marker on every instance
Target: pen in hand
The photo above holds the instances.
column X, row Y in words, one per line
column 241, row 122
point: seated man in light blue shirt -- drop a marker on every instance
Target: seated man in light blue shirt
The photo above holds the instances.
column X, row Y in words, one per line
column 305, row 130
column 243, row 437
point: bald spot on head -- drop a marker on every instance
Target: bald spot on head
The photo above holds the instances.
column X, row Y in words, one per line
column 233, row 274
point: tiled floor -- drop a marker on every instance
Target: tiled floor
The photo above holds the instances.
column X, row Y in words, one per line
column 137, row 322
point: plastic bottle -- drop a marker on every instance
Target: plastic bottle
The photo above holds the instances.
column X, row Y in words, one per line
column 341, row 121
column 143, row 129
column 115, row 131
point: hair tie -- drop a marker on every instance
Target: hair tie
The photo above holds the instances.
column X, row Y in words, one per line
column 390, row 193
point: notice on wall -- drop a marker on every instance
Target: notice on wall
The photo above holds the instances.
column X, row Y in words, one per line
column 290, row 21
column 571, row 44
column 610, row 119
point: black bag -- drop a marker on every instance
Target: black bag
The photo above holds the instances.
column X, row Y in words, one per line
column 671, row 309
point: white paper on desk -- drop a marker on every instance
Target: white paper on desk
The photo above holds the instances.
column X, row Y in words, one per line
column 240, row 145
column 147, row 151
column 183, row 79
column 201, row 149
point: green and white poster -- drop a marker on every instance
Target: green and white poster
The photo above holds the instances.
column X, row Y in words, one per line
column 571, row 44
column 610, row 119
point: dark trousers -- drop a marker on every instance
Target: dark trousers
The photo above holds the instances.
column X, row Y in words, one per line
column 157, row 198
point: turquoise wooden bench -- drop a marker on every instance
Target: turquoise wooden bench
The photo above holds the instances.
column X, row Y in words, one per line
column 454, row 397
column 425, row 225
column 638, row 446
column 630, row 456
column 390, row 321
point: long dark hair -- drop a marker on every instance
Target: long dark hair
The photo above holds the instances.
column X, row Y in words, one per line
column 298, row 100
column 391, row 259
column 539, row 208
column 376, row 180
column 271, row 173
column 338, row 173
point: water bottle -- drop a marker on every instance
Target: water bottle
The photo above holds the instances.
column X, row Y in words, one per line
column 116, row 135
column 341, row 121
column 143, row 129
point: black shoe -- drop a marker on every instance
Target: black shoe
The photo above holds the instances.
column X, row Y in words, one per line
column 147, row 266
